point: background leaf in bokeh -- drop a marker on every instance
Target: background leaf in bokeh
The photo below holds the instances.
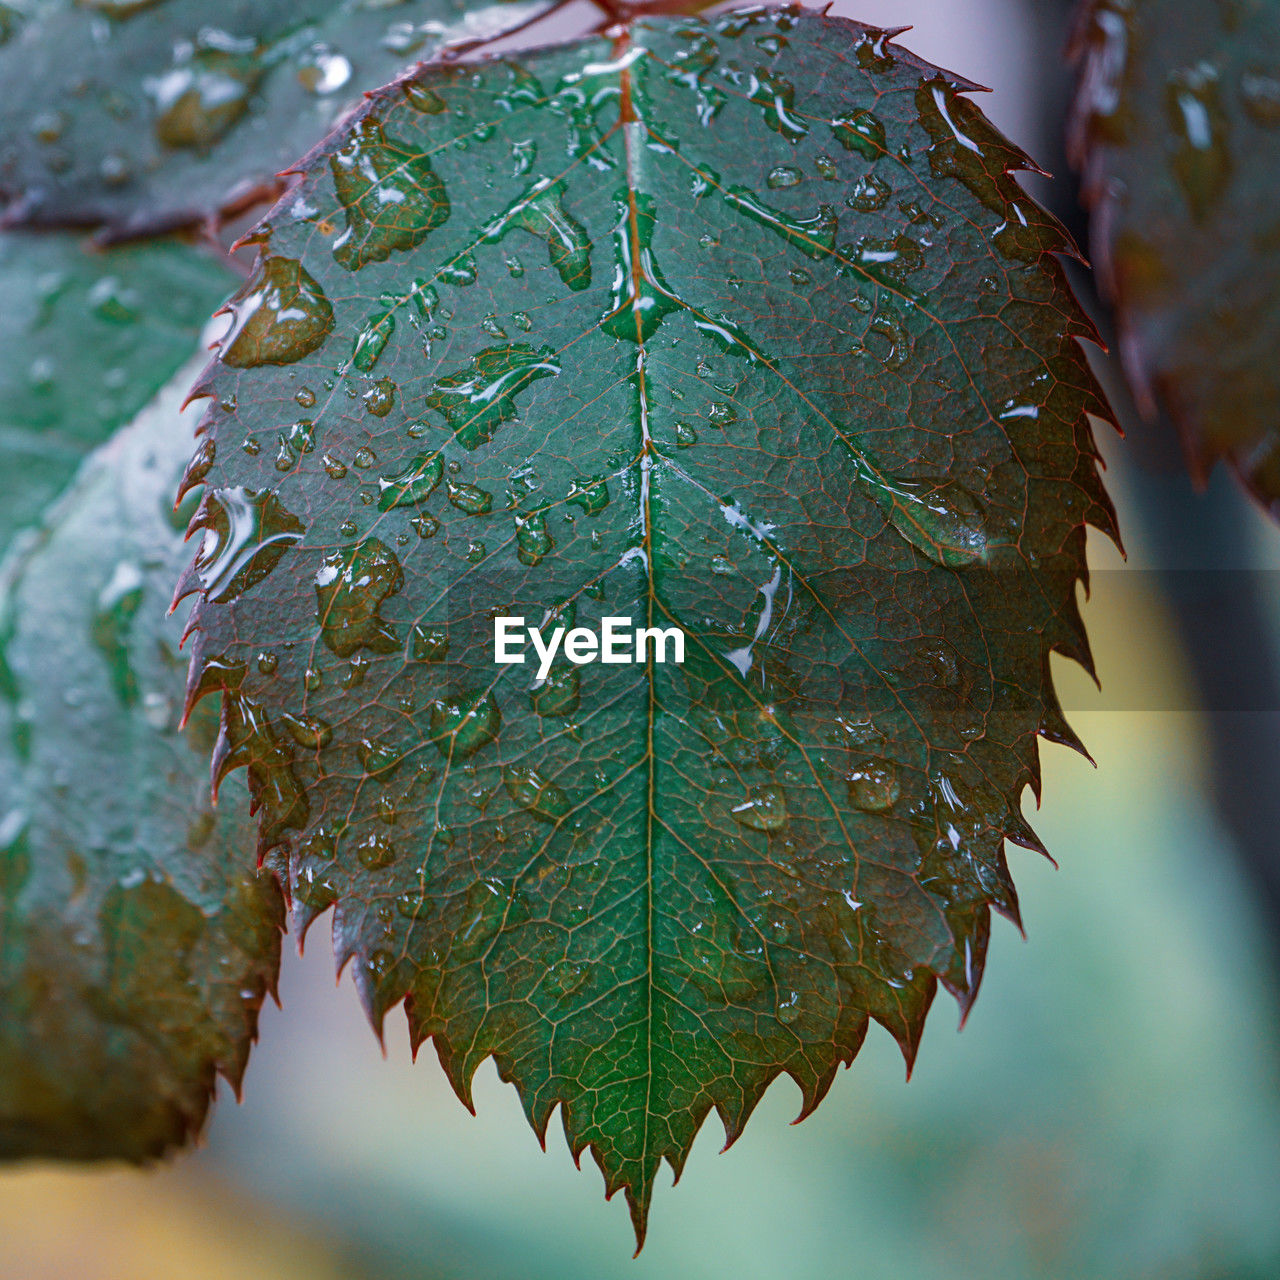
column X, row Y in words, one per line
column 1177, row 132
column 137, row 939
column 86, row 339
column 150, row 115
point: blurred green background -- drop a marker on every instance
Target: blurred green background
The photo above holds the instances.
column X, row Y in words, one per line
column 1111, row 1109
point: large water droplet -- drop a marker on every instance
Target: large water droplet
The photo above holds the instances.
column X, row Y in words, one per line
column 281, row 315
column 392, row 196
column 533, row 541
column 477, row 399
column 815, row 237
column 591, row 494
column 540, row 211
column 350, row 588
column 413, row 483
column 206, row 92
column 559, row 694
column 861, row 131
column 469, row 498
column 461, row 726
column 247, row 533
column 873, row 786
column 940, row 518
column 371, row 340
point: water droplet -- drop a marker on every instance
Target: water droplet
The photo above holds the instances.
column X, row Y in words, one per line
column 375, row 851
column 940, row 518
column 246, row 534
column 430, row 644
column 776, row 95
column 487, row 906
column 869, row 194
column 861, row 131
column 826, row 168
column 531, row 791
column 873, row 786
column 540, row 211
column 815, row 237
column 323, row 71
column 564, row 977
column 371, row 340
column 889, row 262
column 559, row 694
column 788, row 1008
column 476, row 552
column 379, row 399
column 205, row 92
column 469, row 498
column 281, row 315
column 315, row 888
column 685, row 435
column 532, row 539
column 641, row 299
column 425, row 525
column 305, row 397
column 364, row 457
column 350, row 587
column 414, row 905
column 477, row 399
column 114, row 169
column 591, row 494
column 392, row 196
column 1202, row 159
column 765, row 809
column 413, row 483
column 423, row 98
column 462, row 726
column 308, row 731
column 333, row 466
column 491, row 326
column 721, row 415
column 784, row 175
column 117, row 605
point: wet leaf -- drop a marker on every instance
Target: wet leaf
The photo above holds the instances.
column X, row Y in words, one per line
column 86, row 339
column 136, row 939
column 151, row 115
column 832, row 425
column 1177, row 131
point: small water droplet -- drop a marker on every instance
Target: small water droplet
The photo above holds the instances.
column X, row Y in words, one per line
column 765, row 809
column 462, row 726
column 308, row 731
column 534, row 793
column 469, row 498
column 861, row 131
column 379, row 398
column 784, row 175
column 873, row 786
column 478, row 398
column 375, row 851
column 430, row 644
column 591, row 494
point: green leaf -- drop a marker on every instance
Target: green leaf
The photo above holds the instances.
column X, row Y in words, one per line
column 136, row 939
column 740, row 327
column 1177, row 131
column 86, row 339
column 147, row 114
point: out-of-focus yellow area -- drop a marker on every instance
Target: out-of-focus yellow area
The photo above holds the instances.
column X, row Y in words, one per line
column 72, row 1224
